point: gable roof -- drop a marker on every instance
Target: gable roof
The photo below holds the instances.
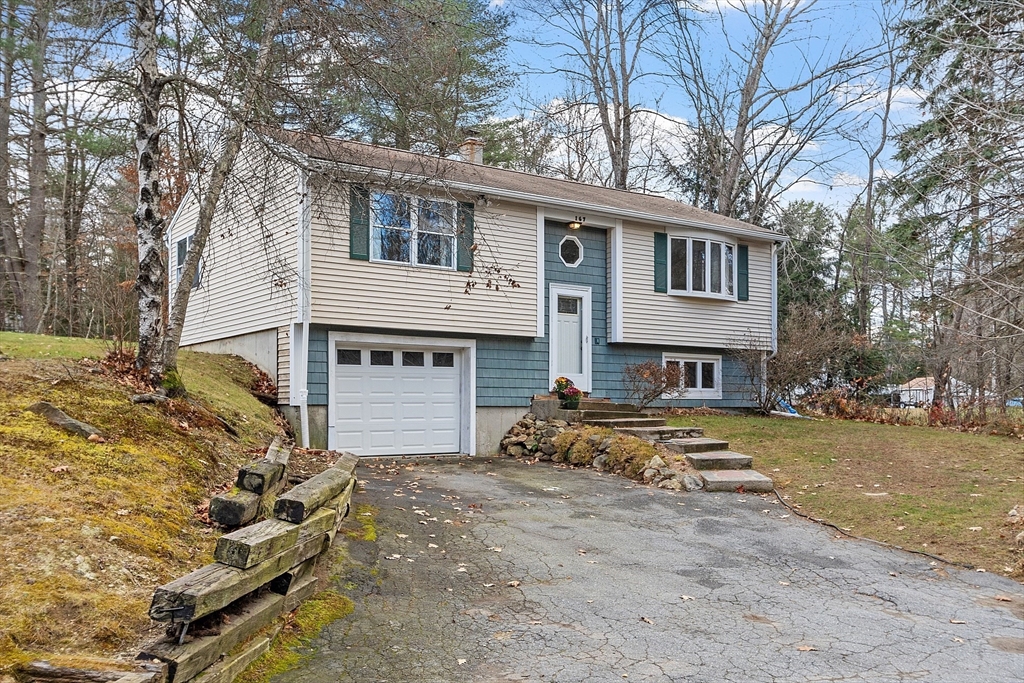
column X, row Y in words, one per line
column 500, row 182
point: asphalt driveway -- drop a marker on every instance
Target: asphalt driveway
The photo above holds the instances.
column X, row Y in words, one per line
column 499, row 571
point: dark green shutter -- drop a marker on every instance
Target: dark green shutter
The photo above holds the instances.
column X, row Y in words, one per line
column 359, row 223
column 660, row 262
column 742, row 273
column 464, row 249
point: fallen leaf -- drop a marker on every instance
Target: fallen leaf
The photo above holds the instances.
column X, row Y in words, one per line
column 513, row 584
column 461, row 569
column 1003, row 598
column 96, row 438
column 957, row 621
column 402, row 535
column 646, row 620
column 488, row 585
column 807, row 648
column 123, row 512
column 461, row 661
column 60, row 468
column 686, row 597
column 958, row 640
column 900, row 528
column 974, row 528
column 431, row 545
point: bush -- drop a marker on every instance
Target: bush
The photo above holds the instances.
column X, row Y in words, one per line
column 646, row 382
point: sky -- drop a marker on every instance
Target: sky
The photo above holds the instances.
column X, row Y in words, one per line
column 833, row 25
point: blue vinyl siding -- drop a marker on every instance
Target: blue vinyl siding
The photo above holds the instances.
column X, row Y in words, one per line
column 510, row 370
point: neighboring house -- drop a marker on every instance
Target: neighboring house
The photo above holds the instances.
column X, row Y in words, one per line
column 920, row 392
column 342, row 269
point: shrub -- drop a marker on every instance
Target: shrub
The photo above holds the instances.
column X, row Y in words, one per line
column 646, row 382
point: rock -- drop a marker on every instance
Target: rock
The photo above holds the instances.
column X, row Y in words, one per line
column 548, row 448
column 658, row 479
column 516, row 430
column 551, row 432
column 559, row 423
column 546, row 457
column 667, row 472
column 649, row 474
column 600, row 463
column 671, row 484
column 657, row 463
column 148, row 398
column 692, row 483
column 605, row 445
column 594, row 439
column 1020, row 540
column 59, row 418
column 516, row 451
column 530, row 444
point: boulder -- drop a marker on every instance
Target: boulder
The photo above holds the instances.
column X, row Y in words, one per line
column 600, row 463
column 551, row 432
column 548, row 448
column 692, row 483
column 605, row 445
column 649, row 474
column 516, row 451
column 671, row 484
column 657, row 463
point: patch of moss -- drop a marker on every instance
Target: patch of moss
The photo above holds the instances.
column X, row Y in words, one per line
column 629, row 453
column 300, row 629
column 365, row 516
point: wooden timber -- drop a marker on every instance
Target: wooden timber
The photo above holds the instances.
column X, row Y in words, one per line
column 251, row 545
column 297, row 504
column 282, row 584
column 279, row 452
column 44, row 671
column 214, row 586
column 234, row 508
column 188, row 660
column 227, row 670
column 300, row 591
column 260, row 477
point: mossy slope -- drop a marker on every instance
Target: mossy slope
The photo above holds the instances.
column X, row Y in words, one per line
column 89, row 529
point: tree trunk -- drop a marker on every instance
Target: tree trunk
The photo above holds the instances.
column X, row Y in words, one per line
column 11, row 254
column 208, row 202
column 151, row 283
column 35, row 220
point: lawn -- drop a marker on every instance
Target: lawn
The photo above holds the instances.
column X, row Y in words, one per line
column 942, row 492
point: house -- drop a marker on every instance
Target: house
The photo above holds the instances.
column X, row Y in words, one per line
column 409, row 304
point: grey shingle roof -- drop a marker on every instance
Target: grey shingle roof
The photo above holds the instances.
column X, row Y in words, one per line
column 504, row 182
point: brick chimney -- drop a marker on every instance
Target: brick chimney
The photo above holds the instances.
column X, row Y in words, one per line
column 472, row 149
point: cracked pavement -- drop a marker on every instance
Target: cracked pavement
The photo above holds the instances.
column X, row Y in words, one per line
column 501, row 571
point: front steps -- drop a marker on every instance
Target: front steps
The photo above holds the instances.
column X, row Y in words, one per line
column 719, row 468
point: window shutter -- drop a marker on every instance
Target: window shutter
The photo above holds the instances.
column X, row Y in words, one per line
column 359, row 223
column 742, row 273
column 464, row 238
column 660, row 262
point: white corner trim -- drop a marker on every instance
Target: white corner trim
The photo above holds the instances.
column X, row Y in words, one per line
column 585, row 383
column 303, row 249
column 616, row 282
column 467, row 389
column 540, row 272
column 696, row 394
column 775, row 298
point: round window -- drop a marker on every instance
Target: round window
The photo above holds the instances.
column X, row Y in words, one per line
column 571, row 251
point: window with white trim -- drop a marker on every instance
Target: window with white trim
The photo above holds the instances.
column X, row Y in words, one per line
column 693, row 377
column 183, row 246
column 412, row 230
column 701, row 267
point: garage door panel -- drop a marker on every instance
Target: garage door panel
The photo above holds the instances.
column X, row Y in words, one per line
column 397, row 409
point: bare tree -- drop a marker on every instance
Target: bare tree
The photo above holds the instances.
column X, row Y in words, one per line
column 757, row 136
column 603, row 46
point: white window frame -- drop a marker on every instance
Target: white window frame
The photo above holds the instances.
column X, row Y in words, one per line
column 696, row 393
column 197, row 282
column 414, row 212
column 579, row 245
column 707, row 293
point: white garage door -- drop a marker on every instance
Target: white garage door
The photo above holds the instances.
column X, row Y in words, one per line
column 396, row 401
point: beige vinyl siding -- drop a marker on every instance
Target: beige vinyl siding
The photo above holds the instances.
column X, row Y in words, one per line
column 400, row 297
column 649, row 316
column 250, row 262
column 284, row 371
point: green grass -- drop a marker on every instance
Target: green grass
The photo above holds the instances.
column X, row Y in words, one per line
column 17, row 345
column 89, row 529
column 938, row 484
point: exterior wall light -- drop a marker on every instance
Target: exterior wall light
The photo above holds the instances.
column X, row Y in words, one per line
column 577, row 222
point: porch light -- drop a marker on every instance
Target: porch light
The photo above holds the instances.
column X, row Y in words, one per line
column 577, row 222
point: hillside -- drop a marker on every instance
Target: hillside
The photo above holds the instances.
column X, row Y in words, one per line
column 89, row 529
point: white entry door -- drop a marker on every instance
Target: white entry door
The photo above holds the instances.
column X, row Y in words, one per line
column 569, row 350
column 396, row 400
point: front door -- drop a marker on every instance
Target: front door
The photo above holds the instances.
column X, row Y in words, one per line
column 569, row 350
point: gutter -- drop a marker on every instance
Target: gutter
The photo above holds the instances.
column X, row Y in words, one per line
column 301, row 325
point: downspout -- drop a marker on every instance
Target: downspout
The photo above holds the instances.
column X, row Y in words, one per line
column 303, row 309
column 775, row 322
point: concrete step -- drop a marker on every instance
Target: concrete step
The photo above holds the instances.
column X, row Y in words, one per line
column 609, row 406
column 627, row 422
column 720, row 460
column 697, row 445
column 609, row 415
column 662, row 433
column 748, row 481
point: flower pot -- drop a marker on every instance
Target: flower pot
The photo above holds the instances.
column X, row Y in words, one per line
column 571, row 405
